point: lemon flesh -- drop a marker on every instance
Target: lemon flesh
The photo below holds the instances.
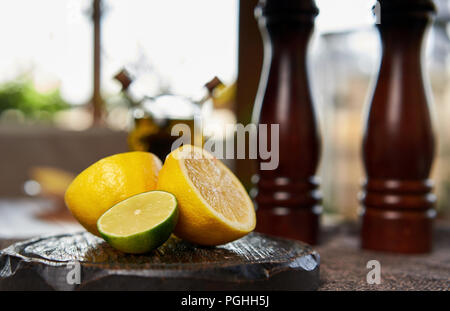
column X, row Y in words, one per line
column 218, row 188
column 140, row 223
column 214, row 206
column 109, row 181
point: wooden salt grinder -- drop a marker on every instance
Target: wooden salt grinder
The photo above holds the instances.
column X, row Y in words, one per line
column 287, row 198
column 398, row 145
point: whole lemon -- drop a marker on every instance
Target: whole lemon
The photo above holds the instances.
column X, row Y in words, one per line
column 109, row 181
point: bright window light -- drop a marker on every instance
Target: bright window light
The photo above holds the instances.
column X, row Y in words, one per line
column 185, row 42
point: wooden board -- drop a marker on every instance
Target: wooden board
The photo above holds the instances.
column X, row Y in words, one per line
column 254, row 262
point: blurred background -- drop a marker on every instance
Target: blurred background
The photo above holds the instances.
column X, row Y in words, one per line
column 80, row 80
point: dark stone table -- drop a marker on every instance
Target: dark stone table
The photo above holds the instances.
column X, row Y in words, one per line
column 343, row 263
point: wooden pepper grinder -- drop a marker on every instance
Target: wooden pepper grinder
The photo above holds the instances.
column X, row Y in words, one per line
column 287, row 198
column 398, row 145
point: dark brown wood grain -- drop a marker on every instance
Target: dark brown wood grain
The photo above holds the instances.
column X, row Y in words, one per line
column 253, row 262
column 399, row 143
column 250, row 59
column 288, row 200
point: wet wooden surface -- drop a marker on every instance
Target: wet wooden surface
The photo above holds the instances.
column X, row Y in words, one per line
column 254, row 262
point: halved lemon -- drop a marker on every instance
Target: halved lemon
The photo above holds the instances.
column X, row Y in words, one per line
column 214, row 206
column 140, row 223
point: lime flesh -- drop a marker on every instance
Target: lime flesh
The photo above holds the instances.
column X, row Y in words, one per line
column 140, row 223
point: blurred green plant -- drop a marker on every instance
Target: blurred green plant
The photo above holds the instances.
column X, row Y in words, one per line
column 21, row 95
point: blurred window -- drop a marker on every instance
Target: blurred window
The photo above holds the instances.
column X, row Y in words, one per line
column 171, row 44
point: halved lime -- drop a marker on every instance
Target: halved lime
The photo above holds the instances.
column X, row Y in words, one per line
column 140, row 223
